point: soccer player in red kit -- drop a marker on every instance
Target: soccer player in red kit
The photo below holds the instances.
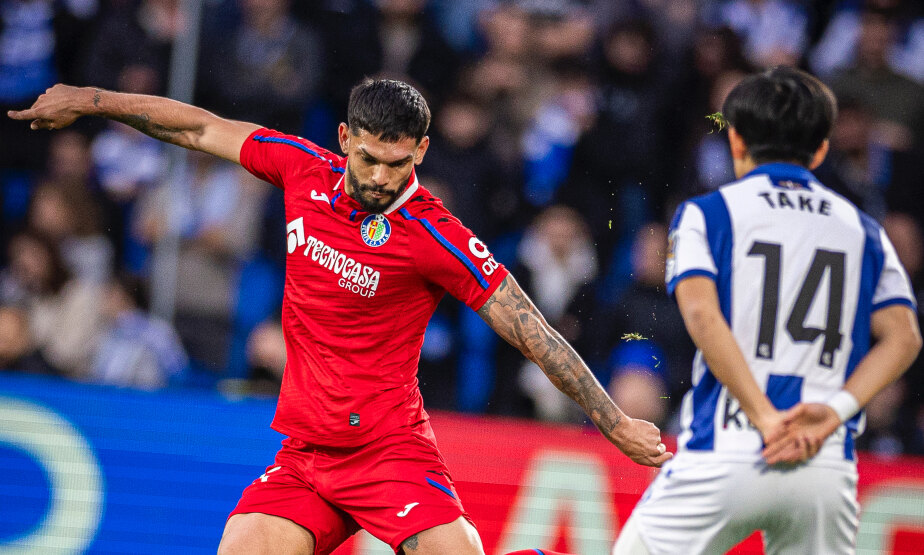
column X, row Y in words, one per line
column 370, row 254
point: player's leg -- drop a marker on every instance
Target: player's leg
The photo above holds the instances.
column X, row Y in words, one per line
column 630, row 540
column 260, row 534
column 821, row 512
column 458, row 536
column 282, row 512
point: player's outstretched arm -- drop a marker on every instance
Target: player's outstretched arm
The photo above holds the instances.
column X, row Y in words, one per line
column 698, row 301
column 898, row 344
column 162, row 118
column 514, row 317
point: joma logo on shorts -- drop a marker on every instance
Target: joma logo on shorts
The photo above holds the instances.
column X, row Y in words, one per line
column 353, row 276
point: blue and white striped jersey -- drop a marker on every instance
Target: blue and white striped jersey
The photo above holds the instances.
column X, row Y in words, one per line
column 799, row 271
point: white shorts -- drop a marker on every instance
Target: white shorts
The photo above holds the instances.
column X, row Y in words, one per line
column 701, row 504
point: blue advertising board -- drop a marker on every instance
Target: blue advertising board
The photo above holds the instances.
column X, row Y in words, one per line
column 91, row 469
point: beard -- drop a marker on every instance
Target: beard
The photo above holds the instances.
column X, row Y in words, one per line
column 363, row 194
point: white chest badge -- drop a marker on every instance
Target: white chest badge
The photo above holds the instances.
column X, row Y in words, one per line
column 375, row 230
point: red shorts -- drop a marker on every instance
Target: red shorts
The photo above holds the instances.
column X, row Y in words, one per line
column 395, row 487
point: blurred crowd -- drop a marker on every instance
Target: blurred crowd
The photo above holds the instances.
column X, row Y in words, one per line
column 565, row 133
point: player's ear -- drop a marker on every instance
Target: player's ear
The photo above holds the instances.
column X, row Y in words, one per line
column 820, row 154
column 739, row 150
column 421, row 150
column 343, row 135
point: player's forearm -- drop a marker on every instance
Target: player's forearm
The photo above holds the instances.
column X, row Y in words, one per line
column 889, row 357
column 514, row 317
column 161, row 118
column 711, row 334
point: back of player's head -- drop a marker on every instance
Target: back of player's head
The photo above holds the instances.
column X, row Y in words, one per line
column 389, row 109
column 781, row 114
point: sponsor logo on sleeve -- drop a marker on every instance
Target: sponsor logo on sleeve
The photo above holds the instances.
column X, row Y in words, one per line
column 480, row 250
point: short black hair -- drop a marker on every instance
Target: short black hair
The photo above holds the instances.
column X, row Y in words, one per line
column 782, row 114
column 389, row 109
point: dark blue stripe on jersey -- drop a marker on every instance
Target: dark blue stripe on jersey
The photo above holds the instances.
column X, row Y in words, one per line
column 784, row 391
column 705, row 401
column 447, row 245
column 333, row 200
column 300, row 146
column 706, row 391
column 537, row 551
column 441, row 487
column 672, row 285
column 897, row 300
column 871, row 270
column 352, row 215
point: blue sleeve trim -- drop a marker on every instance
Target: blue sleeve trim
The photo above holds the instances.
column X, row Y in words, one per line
column 672, row 284
column 441, row 487
column 448, row 246
column 300, row 146
column 334, row 200
column 353, row 215
column 897, row 300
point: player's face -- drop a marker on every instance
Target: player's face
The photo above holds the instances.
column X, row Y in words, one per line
column 377, row 172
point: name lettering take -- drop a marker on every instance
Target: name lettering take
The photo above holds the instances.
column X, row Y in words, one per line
column 802, row 203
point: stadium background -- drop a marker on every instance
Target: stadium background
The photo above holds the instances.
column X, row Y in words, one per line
column 143, row 285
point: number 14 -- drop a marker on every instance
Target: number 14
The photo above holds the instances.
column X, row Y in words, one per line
column 795, row 325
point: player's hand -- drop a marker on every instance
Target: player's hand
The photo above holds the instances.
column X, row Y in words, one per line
column 55, row 109
column 640, row 440
column 805, row 429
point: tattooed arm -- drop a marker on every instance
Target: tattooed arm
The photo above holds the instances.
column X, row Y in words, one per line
column 514, row 317
column 162, row 118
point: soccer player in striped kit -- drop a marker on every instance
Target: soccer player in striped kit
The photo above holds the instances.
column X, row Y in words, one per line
column 784, row 286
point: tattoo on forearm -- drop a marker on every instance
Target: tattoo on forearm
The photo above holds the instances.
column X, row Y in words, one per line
column 411, row 543
column 510, row 312
column 143, row 123
column 97, row 96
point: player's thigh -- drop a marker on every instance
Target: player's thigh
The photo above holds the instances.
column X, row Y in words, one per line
column 820, row 516
column 258, row 534
column 630, row 540
column 457, row 537
column 692, row 507
column 397, row 488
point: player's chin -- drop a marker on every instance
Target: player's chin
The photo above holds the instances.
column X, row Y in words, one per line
column 375, row 204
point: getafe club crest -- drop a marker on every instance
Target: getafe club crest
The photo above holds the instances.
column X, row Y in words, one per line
column 375, row 230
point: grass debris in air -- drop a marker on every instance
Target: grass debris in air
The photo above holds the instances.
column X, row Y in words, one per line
column 633, row 337
column 718, row 120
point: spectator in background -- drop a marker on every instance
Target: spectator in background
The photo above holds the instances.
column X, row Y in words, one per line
column 69, row 217
column 556, row 264
column 478, row 189
column 17, row 348
column 858, row 165
column 267, row 69
column 638, row 379
column 135, row 350
column 35, row 54
column 134, row 34
column 896, row 102
column 217, row 218
column 618, row 174
column 837, row 48
column 645, row 309
column 775, row 32
column 64, row 313
column 266, row 358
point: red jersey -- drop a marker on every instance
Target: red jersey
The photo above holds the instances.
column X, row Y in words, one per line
column 359, row 291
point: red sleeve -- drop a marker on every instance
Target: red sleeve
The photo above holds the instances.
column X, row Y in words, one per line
column 451, row 256
column 274, row 156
